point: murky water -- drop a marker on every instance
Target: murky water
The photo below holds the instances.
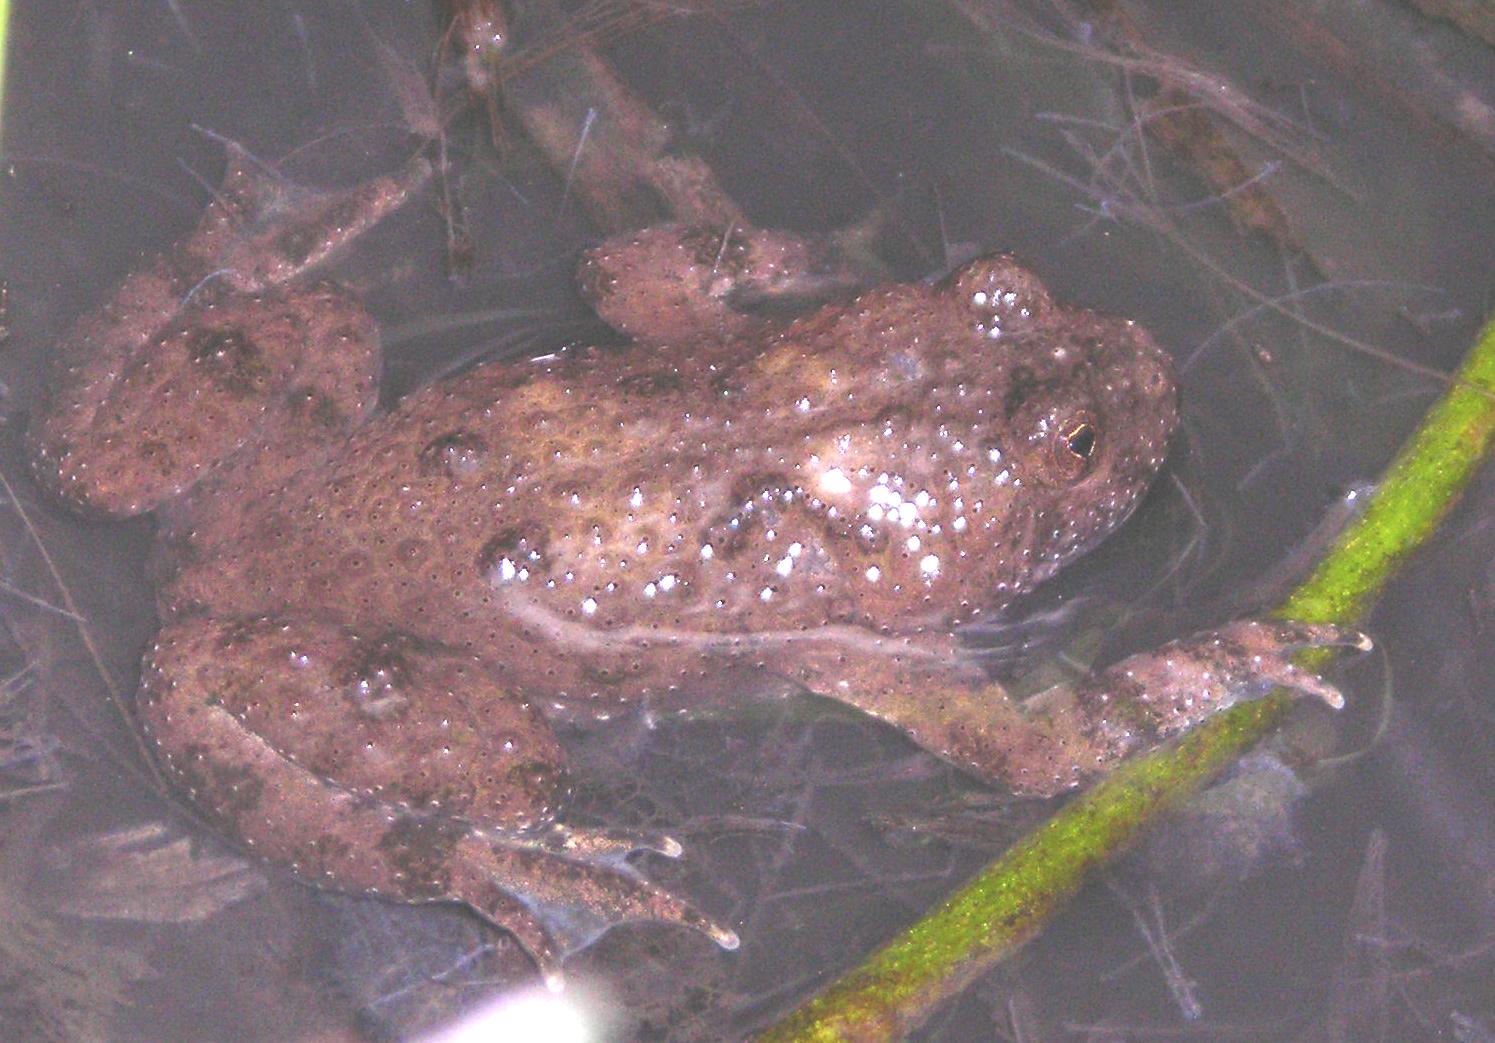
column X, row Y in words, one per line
column 1349, row 897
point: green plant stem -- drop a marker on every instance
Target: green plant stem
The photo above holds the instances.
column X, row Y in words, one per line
column 1010, row 900
column 4, row 57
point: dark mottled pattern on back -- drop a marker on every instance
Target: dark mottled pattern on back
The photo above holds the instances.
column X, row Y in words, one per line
column 420, row 848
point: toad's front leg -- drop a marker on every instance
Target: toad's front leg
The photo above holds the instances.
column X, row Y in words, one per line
column 383, row 765
column 1072, row 733
column 685, row 284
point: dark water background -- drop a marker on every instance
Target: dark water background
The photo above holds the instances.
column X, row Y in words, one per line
column 1352, row 900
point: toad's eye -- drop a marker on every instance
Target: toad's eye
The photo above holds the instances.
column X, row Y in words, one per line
column 1073, row 444
column 1080, row 440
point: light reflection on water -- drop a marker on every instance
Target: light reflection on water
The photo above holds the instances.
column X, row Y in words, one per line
column 528, row 1016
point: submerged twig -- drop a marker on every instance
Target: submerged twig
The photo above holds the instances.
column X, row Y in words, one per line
column 623, row 166
column 69, row 609
column 1011, row 900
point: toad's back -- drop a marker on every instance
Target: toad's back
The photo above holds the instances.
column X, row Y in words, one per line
column 888, row 463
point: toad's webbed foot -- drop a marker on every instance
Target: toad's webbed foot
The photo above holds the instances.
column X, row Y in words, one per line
column 1152, row 695
column 557, row 895
column 263, row 231
column 675, row 282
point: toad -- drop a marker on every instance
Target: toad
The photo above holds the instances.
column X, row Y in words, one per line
column 369, row 616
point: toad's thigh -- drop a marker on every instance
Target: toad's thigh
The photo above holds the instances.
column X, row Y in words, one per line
column 381, row 716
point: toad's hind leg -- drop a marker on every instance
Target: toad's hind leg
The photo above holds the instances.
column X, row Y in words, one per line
column 1071, row 733
column 395, row 769
column 207, row 350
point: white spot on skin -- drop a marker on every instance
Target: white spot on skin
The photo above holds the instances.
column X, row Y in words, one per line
column 835, row 483
column 929, row 565
column 589, row 606
column 873, row 574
